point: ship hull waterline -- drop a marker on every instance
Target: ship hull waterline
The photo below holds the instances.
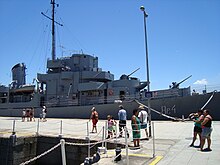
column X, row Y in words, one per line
column 178, row 107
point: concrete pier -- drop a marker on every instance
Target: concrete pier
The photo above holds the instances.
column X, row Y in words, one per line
column 172, row 141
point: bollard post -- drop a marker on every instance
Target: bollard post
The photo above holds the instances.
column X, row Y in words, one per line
column 103, row 134
column 116, row 131
column 126, row 145
column 116, row 138
column 103, row 148
column 63, row 152
column 61, row 128
column 88, row 146
column 13, row 127
column 38, row 124
column 88, row 138
column 13, row 135
column 87, row 129
column 153, row 140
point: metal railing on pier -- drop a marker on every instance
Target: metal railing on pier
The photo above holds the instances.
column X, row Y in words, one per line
column 90, row 145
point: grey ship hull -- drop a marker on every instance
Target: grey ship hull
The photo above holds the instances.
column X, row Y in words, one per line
column 175, row 107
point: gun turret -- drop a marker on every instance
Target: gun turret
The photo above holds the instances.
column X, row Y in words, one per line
column 127, row 76
column 176, row 85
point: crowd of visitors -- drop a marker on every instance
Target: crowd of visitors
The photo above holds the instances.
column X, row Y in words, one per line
column 28, row 114
column 202, row 124
column 139, row 121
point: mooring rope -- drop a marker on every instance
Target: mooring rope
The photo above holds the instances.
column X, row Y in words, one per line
column 208, row 100
column 39, row 156
column 67, row 143
column 175, row 118
column 87, row 144
column 160, row 113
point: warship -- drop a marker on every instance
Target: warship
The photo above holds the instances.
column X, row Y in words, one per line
column 73, row 85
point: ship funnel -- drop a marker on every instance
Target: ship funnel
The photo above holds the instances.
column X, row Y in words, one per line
column 18, row 75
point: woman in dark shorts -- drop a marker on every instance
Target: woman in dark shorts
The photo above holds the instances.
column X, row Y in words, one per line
column 206, row 130
column 197, row 118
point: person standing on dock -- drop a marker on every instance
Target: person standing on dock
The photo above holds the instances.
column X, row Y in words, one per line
column 110, row 126
column 23, row 115
column 28, row 114
column 44, row 113
column 143, row 115
column 32, row 114
column 197, row 118
column 122, row 117
column 94, row 116
column 206, row 130
column 136, row 127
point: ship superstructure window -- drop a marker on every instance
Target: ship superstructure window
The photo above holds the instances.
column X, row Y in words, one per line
column 94, row 93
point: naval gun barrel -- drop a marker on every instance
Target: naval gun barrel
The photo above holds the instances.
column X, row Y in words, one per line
column 133, row 72
column 176, row 85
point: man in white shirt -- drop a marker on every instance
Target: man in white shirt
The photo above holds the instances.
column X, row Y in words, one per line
column 143, row 116
column 122, row 117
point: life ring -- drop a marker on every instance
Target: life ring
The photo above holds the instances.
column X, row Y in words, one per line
column 110, row 92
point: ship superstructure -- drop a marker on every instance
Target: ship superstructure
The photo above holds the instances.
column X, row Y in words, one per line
column 77, row 80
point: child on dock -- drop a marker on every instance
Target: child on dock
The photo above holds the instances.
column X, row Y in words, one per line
column 111, row 127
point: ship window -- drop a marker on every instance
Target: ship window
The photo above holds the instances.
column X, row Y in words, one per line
column 93, row 93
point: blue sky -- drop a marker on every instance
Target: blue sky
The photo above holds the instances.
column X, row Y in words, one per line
column 183, row 38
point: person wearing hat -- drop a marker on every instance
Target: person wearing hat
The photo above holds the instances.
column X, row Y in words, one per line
column 122, row 117
column 94, row 117
column 143, row 115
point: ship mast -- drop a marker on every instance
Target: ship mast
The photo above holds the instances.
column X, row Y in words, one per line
column 53, row 53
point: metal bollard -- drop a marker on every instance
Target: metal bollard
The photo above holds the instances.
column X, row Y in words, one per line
column 13, row 138
column 126, row 143
column 38, row 125
column 13, row 127
column 118, row 154
column 153, row 141
column 88, row 139
column 103, row 135
column 87, row 124
column 183, row 118
column 61, row 129
column 106, row 133
column 63, row 152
